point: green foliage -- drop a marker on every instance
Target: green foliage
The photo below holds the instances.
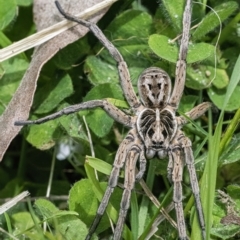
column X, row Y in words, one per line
column 8, row 12
column 11, row 72
column 85, row 71
column 161, row 46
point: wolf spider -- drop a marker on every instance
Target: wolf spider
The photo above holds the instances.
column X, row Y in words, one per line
column 155, row 130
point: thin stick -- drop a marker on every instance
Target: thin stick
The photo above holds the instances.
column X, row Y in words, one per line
column 13, row 201
column 49, row 33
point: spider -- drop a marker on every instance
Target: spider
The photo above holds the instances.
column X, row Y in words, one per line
column 155, row 130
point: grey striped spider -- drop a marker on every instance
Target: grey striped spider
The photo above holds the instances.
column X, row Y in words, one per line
column 154, row 128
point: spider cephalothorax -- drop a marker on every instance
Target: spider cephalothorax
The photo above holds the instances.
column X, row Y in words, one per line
column 154, row 87
column 154, row 130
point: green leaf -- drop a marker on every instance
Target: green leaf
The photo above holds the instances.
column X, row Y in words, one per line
column 99, row 92
column 211, row 21
column 107, row 90
column 43, row 136
column 69, row 55
column 129, row 37
column 73, row 124
column 233, row 191
column 232, row 153
column 187, row 103
column 126, row 25
column 228, row 231
column 202, row 76
column 63, row 221
column 72, row 228
column 46, row 208
column 8, row 11
column 118, row 103
column 23, row 221
column 99, row 122
column 100, row 72
column 52, row 93
column 11, row 72
column 24, row 3
column 162, row 47
column 83, row 201
column 225, row 232
column 12, row 188
column 175, row 10
column 217, row 96
column 4, row 40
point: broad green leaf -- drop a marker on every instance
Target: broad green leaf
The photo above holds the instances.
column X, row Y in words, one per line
column 187, row 103
column 66, row 222
column 126, row 25
column 202, row 76
column 107, row 90
column 4, row 40
column 130, row 38
column 99, row 117
column 71, row 227
column 11, row 72
column 135, row 52
column 217, row 96
column 46, row 208
column 175, row 10
column 227, row 231
column 43, row 136
column 82, row 200
column 233, row 191
column 8, row 11
column 24, row 3
column 12, row 188
column 99, row 122
column 69, row 55
column 118, row 103
column 211, row 21
column 52, row 93
column 73, row 124
column 100, row 72
column 23, row 221
column 221, row 80
column 232, row 153
column 162, row 46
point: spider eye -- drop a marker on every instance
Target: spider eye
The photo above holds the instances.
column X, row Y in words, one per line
column 150, row 153
column 162, row 154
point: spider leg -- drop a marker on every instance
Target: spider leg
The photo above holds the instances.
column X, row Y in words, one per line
column 113, row 111
column 129, row 182
column 195, row 113
column 189, row 160
column 122, row 66
column 177, row 162
column 128, row 152
column 142, row 165
column 179, row 155
column 180, row 73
